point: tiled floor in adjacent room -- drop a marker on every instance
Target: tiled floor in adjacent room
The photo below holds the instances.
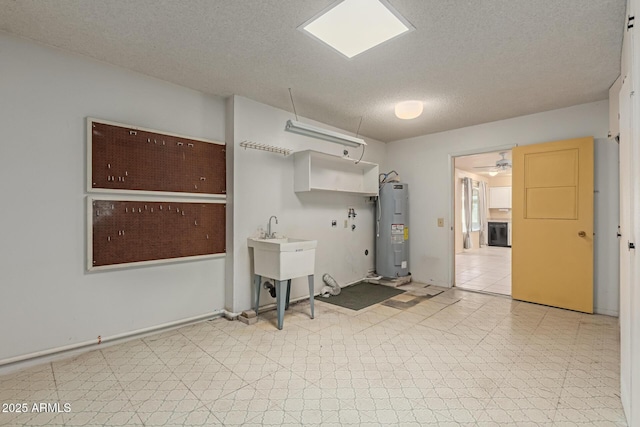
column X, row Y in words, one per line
column 487, row 269
column 459, row 358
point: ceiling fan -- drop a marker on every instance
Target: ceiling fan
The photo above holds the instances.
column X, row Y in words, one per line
column 502, row 164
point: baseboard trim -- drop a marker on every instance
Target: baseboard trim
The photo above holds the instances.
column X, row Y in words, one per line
column 58, row 352
column 606, row 312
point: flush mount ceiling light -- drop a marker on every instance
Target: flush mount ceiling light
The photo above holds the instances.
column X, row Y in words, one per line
column 408, row 110
column 319, row 133
column 354, row 26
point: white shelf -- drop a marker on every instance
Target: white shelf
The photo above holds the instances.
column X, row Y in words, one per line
column 316, row 171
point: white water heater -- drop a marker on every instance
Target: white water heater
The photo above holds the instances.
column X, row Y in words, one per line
column 392, row 230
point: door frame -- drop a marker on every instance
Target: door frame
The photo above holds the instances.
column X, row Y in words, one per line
column 452, row 196
column 626, row 231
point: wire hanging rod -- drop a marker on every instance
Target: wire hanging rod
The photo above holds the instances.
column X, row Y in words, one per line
column 359, row 124
column 293, row 104
column 357, row 135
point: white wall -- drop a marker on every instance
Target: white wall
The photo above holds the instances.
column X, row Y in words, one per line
column 606, row 215
column 47, row 298
column 425, row 163
column 263, row 186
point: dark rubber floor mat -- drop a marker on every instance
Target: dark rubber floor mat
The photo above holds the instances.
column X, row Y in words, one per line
column 361, row 295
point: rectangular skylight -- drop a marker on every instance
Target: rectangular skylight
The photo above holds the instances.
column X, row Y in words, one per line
column 354, row 26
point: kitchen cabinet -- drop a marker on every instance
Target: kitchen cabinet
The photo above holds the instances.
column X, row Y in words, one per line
column 500, row 197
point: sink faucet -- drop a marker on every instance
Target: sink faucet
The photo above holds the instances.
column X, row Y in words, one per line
column 271, row 235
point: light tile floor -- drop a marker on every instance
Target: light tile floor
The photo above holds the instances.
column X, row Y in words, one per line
column 486, row 269
column 458, row 358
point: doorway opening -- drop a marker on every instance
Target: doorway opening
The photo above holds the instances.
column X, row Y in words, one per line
column 482, row 222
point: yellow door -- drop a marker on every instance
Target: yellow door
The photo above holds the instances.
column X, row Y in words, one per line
column 552, row 217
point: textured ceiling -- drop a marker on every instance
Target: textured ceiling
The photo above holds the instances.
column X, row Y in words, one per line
column 470, row 61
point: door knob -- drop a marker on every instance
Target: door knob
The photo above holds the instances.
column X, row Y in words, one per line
column 582, row 234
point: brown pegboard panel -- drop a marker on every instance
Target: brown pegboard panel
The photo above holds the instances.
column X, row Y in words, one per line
column 128, row 158
column 137, row 231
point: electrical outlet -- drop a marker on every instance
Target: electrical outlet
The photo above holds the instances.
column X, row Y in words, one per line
column 346, row 223
column 440, row 222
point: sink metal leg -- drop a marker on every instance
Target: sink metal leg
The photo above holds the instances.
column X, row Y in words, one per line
column 281, row 296
column 286, row 307
column 311, row 291
column 257, row 279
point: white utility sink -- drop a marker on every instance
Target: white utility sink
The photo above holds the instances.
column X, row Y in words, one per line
column 283, row 258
